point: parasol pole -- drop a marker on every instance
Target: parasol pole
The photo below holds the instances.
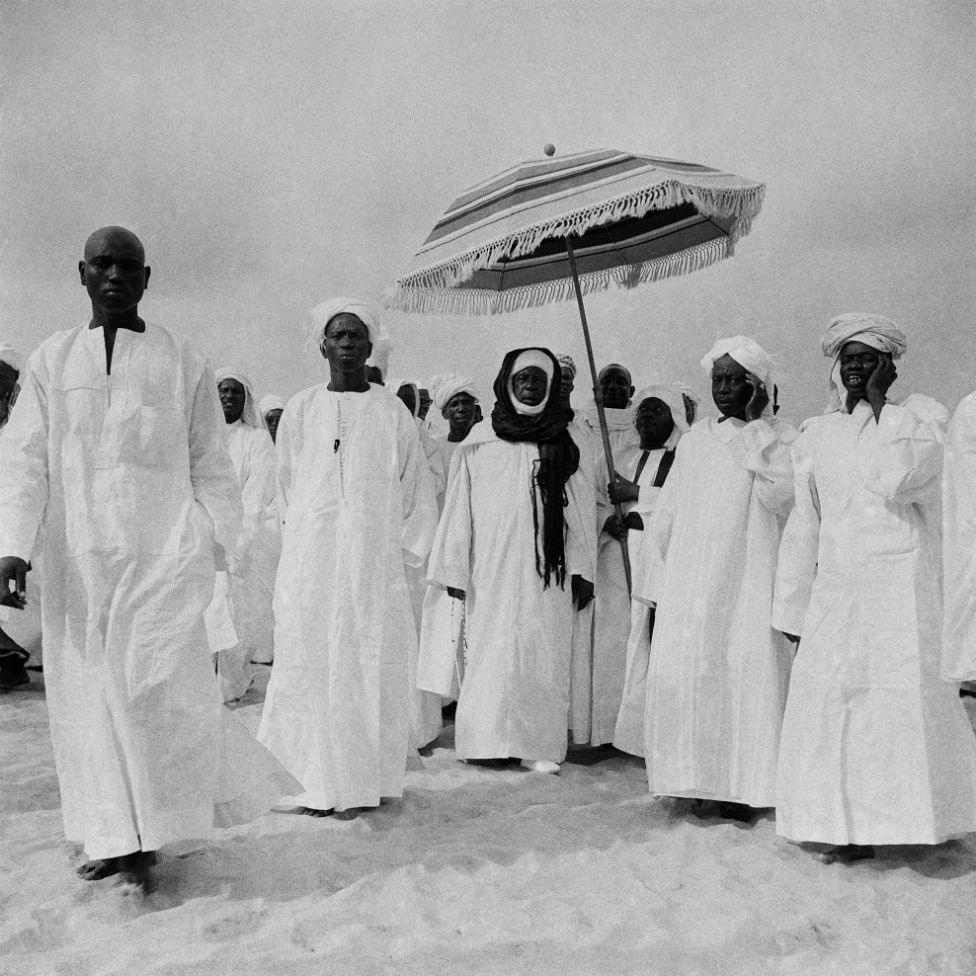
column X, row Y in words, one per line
column 598, row 398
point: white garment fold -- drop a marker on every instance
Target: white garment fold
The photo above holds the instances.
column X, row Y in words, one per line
column 876, row 749
column 959, row 545
column 118, row 487
column 515, row 697
column 717, row 675
column 356, row 500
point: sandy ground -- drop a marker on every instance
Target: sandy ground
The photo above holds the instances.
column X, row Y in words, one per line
column 473, row 871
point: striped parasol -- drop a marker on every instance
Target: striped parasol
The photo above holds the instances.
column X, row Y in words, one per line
column 501, row 245
column 551, row 228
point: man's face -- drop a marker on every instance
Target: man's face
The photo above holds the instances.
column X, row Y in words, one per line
column 425, row 402
column 616, row 389
column 271, row 418
column 857, row 363
column 409, row 397
column 654, row 423
column 346, row 344
column 459, row 411
column 566, row 384
column 114, row 272
column 232, row 397
column 529, row 386
column 731, row 389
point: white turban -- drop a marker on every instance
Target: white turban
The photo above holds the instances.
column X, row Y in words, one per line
column 747, row 353
column 11, row 357
column 871, row 330
column 250, row 416
column 566, row 363
column 270, row 402
column 323, row 314
column 672, row 396
column 446, row 385
column 525, row 359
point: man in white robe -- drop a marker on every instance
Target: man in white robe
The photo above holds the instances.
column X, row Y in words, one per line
column 876, row 748
column 959, row 547
column 661, row 420
column 115, row 482
column 270, row 408
column 356, row 502
column 718, row 672
column 247, row 586
column 511, row 544
column 442, row 617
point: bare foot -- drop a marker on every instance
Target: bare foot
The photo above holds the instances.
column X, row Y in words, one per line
column 351, row 813
column 101, row 868
column 845, row 854
column 541, row 766
column 313, row 812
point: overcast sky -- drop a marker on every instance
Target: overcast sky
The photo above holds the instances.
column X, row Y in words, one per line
column 274, row 154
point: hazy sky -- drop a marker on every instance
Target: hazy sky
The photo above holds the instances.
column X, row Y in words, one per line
column 274, row 154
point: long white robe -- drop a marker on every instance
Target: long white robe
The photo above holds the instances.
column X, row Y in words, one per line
column 245, row 590
column 959, row 545
column 628, row 732
column 876, row 749
column 117, row 487
column 717, row 675
column 356, row 499
column 442, row 616
column 515, row 697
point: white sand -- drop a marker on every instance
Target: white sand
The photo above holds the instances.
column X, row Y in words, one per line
column 474, row 871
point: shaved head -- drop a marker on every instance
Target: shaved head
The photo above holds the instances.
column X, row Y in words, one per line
column 97, row 241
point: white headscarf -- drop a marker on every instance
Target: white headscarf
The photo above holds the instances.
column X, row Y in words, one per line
column 11, row 356
column 747, row 353
column 671, row 395
column 270, row 402
column 530, row 357
column 324, row 313
column 867, row 328
column 251, row 415
column 446, row 385
column 393, row 385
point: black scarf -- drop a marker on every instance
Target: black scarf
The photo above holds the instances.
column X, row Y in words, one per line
column 558, row 461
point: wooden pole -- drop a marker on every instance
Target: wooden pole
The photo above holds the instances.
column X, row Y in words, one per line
column 598, row 398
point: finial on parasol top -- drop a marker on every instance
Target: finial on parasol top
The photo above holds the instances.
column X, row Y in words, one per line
column 549, row 149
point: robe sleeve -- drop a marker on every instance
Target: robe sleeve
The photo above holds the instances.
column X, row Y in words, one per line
column 417, row 494
column 763, row 448
column 959, row 545
column 903, row 462
column 257, row 489
column 798, row 551
column 581, row 538
column 24, row 467
column 649, row 572
column 450, row 556
column 287, row 447
column 215, row 484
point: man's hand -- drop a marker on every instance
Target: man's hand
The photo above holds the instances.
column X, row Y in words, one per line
column 14, row 570
column 621, row 490
column 759, row 399
column 615, row 528
column 582, row 592
column 881, row 378
column 456, row 593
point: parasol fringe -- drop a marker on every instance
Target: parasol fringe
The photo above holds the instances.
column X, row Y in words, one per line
column 476, row 301
column 740, row 205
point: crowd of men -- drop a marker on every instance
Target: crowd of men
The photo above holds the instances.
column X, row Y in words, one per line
column 755, row 609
